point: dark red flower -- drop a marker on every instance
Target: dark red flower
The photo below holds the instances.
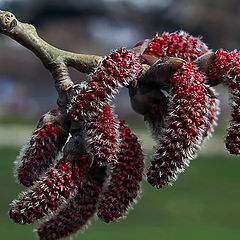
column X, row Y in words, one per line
column 120, row 68
column 88, row 102
column 42, row 149
column 74, row 214
column 177, row 44
column 183, row 128
column 225, row 68
column 126, row 176
column 103, row 136
column 47, row 194
column 174, row 124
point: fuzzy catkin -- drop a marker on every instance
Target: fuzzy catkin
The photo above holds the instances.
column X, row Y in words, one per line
column 177, row 44
column 225, row 68
column 183, row 127
column 47, row 195
column 38, row 155
column 126, row 176
column 89, row 102
column 43, row 147
column 103, row 136
column 74, row 215
column 120, row 68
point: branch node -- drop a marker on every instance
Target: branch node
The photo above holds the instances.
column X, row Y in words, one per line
column 7, row 21
column 61, row 76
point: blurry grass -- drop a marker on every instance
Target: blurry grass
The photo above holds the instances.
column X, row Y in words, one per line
column 202, row 204
column 20, row 121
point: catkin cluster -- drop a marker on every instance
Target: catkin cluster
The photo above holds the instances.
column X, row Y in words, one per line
column 81, row 161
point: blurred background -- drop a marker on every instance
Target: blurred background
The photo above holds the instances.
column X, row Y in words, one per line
column 204, row 202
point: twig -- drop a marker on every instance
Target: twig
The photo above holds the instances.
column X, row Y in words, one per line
column 54, row 59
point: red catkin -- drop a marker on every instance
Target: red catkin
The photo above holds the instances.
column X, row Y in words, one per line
column 183, row 46
column 126, row 175
column 103, row 136
column 184, row 126
column 42, row 149
column 89, row 102
column 73, row 215
column 177, row 44
column 120, row 68
column 225, row 68
column 50, row 192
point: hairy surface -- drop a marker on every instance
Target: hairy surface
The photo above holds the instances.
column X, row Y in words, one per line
column 126, row 176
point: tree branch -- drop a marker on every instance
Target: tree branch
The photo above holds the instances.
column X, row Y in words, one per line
column 54, row 59
column 27, row 36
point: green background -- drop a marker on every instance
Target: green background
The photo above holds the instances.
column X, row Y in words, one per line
column 202, row 204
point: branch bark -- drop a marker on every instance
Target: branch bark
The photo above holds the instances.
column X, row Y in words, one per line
column 54, row 59
column 27, row 36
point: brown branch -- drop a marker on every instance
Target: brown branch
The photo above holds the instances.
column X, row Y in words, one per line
column 54, row 59
column 27, row 36
column 51, row 57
